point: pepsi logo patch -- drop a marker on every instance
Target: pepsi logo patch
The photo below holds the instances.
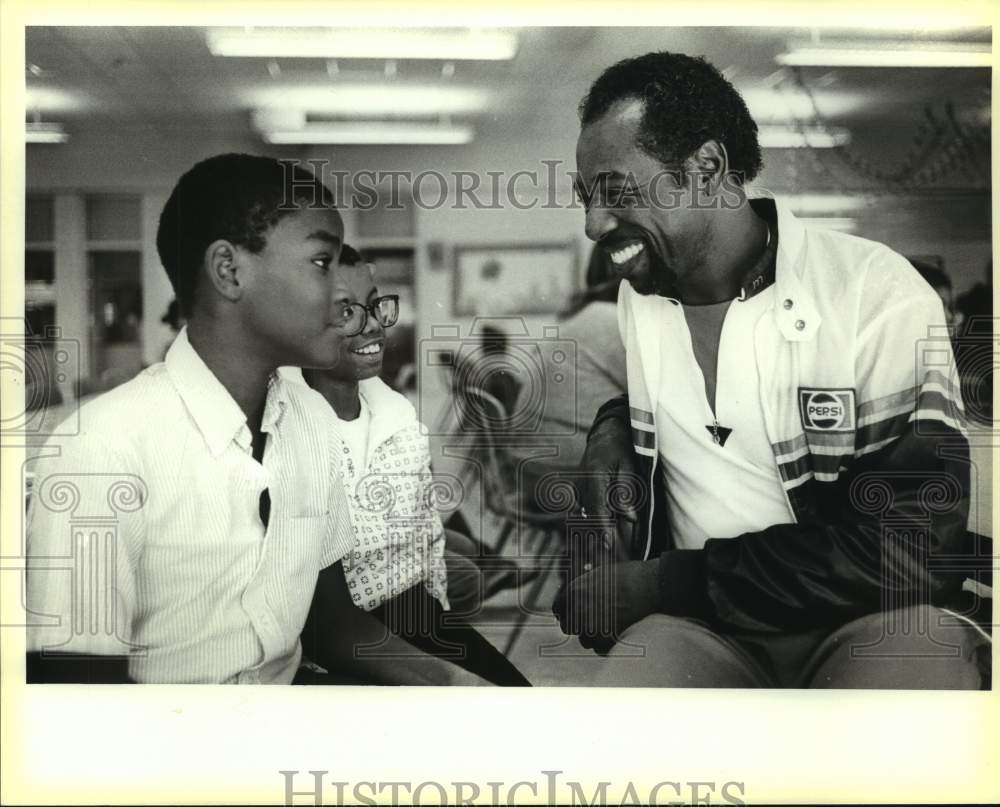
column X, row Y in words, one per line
column 827, row 410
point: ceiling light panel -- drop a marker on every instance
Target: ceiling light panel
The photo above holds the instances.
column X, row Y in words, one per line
column 370, row 100
column 364, row 43
column 907, row 53
column 371, row 133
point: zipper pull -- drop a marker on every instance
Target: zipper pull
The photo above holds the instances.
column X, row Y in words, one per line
column 719, row 433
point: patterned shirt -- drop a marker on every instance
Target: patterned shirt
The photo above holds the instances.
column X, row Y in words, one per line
column 145, row 534
column 399, row 538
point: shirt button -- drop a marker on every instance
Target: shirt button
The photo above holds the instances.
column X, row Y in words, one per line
column 788, row 304
column 800, row 324
column 588, row 566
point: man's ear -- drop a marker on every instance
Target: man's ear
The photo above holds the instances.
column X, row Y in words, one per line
column 708, row 166
column 222, row 268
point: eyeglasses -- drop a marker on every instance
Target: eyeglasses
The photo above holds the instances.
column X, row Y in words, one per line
column 352, row 318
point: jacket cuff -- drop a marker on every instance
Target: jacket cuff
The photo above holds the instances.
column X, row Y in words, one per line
column 684, row 584
column 613, row 409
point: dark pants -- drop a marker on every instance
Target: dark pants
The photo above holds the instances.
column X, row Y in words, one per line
column 418, row 618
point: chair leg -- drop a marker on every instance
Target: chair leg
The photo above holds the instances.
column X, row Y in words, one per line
column 534, row 595
column 508, row 528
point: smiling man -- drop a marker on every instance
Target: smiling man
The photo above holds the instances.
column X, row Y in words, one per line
column 804, row 455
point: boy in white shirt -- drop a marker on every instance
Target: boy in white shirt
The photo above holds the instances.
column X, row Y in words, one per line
column 180, row 537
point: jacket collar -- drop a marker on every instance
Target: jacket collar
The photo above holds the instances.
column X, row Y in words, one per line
column 795, row 310
column 214, row 411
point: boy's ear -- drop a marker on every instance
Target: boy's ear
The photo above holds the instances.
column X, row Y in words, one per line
column 221, row 264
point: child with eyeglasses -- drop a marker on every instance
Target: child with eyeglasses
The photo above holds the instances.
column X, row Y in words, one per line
column 397, row 569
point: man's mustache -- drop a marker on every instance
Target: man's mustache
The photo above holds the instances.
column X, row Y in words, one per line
column 619, row 237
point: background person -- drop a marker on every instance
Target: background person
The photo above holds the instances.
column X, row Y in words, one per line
column 591, row 323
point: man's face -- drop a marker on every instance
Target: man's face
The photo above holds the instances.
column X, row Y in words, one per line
column 653, row 237
column 290, row 289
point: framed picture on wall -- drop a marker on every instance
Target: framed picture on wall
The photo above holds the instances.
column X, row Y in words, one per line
column 517, row 279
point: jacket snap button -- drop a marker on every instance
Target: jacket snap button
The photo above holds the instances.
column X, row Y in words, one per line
column 787, row 304
column 800, row 324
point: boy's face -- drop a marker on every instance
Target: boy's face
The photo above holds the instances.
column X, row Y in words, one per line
column 290, row 289
column 360, row 356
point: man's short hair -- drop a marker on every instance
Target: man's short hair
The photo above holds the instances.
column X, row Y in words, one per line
column 686, row 102
column 936, row 277
column 235, row 197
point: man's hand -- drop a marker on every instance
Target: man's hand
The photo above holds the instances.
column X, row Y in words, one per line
column 612, row 478
column 600, row 604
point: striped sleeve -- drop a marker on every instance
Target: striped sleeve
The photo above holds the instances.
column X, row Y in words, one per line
column 906, row 371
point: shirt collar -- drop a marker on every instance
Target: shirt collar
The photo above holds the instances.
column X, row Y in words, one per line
column 214, row 411
column 275, row 403
column 762, row 273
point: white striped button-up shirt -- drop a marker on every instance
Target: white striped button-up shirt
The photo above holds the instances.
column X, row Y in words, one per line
column 145, row 536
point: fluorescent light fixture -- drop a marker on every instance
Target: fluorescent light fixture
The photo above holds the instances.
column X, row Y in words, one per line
column 364, row 43
column 267, row 120
column 825, row 204
column 44, row 133
column 788, row 137
column 780, row 105
column 888, row 54
column 370, row 133
column 53, row 101
column 359, row 100
column 843, row 225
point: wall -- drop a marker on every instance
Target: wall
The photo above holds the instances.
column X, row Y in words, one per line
column 147, row 161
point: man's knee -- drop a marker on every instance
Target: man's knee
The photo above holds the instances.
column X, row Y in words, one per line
column 666, row 651
column 921, row 647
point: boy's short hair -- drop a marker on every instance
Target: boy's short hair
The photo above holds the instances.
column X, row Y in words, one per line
column 236, row 197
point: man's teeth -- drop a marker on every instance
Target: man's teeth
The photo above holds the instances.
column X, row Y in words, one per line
column 369, row 349
column 627, row 253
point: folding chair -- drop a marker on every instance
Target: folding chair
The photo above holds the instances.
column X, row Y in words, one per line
column 504, row 459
